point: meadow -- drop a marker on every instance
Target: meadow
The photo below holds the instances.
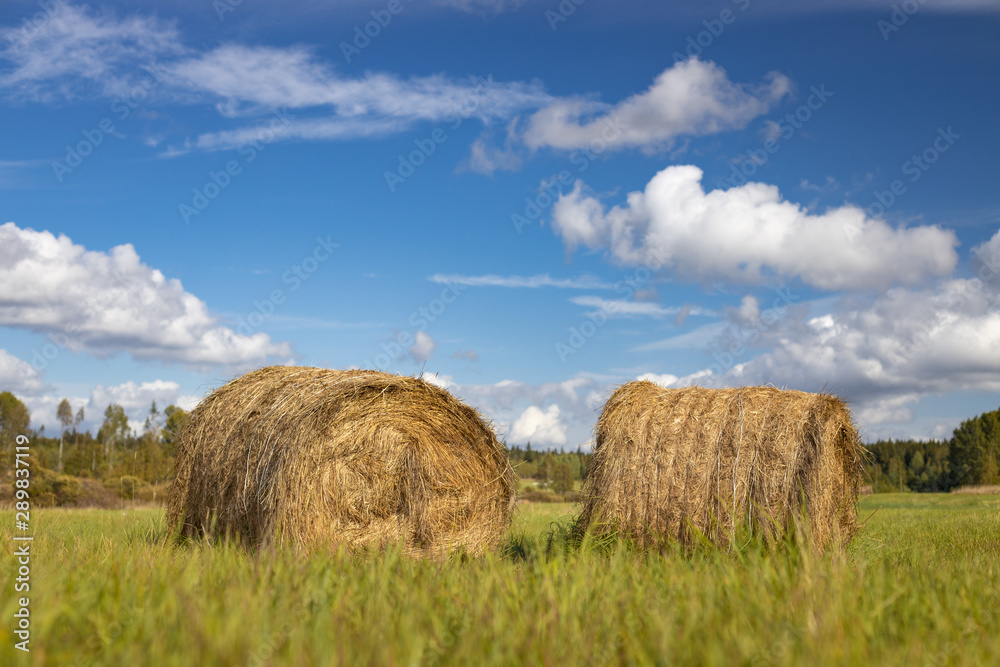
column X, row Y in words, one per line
column 919, row 585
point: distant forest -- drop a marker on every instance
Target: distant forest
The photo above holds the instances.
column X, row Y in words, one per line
column 146, row 459
column 970, row 458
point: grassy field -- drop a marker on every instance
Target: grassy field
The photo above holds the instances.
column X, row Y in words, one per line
column 919, row 586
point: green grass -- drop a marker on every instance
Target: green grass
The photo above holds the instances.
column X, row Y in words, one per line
column 920, row 586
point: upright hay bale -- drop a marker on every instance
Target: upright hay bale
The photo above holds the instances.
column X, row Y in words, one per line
column 668, row 460
column 311, row 456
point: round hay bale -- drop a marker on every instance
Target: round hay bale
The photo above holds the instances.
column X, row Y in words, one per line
column 667, row 461
column 311, row 457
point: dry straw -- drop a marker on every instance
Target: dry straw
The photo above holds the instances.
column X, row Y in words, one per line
column 311, row 456
column 674, row 463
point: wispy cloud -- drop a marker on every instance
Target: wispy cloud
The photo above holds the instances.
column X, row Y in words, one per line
column 79, row 52
column 622, row 308
column 697, row 338
column 536, row 281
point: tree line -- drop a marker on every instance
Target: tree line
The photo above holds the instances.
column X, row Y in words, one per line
column 970, row 458
column 117, row 450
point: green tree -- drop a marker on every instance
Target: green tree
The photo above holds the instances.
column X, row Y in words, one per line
column 114, row 431
column 14, row 420
column 152, row 424
column 562, row 477
column 65, row 414
column 975, row 450
column 172, row 429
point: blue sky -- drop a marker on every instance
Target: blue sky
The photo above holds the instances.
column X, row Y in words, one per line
column 529, row 202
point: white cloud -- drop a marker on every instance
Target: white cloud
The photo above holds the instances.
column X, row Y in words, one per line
column 18, row 376
column 486, row 158
column 540, row 280
column 271, row 77
column 79, row 52
column 987, row 256
column 697, row 338
column 749, row 309
column 623, row 308
column 506, row 402
column 747, row 233
column 884, row 353
column 287, row 129
column 76, row 52
column 542, row 428
column 664, row 380
column 136, row 400
column 423, row 347
column 106, row 303
column 487, row 6
column 692, row 97
column 442, row 381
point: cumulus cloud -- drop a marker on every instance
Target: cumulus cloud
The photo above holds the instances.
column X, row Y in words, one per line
column 18, row 376
column 423, row 347
column 746, row 234
column 692, row 97
column 986, row 257
column 664, row 380
column 883, row 353
column 110, row 302
column 438, row 380
column 541, row 427
column 506, row 403
column 135, row 399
